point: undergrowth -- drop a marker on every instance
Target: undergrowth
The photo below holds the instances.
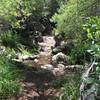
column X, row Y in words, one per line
column 69, row 86
column 8, row 78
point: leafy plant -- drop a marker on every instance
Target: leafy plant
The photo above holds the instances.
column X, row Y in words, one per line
column 8, row 75
column 90, row 79
column 69, row 85
column 9, row 39
column 68, row 19
column 78, row 53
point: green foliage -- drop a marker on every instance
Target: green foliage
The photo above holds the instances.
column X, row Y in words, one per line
column 78, row 53
column 71, row 15
column 91, row 29
column 9, row 9
column 9, row 39
column 8, row 74
column 69, row 87
column 69, row 19
column 92, row 32
column 60, row 82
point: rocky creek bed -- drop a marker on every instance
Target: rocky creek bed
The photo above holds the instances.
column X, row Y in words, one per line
column 41, row 70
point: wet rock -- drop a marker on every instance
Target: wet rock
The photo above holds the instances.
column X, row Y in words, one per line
column 60, row 58
column 26, row 57
column 73, row 68
column 56, row 50
column 58, row 71
column 63, row 43
column 19, row 56
column 61, row 66
column 2, row 50
column 36, row 60
column 33, row 57
column 48, row 42
column 64, row 46
column 48, row 67
column 43, row 67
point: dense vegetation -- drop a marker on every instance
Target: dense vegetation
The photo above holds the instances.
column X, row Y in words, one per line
column 23, row 22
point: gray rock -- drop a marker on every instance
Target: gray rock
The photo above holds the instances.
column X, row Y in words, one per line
column 60, row 58
column 63, row 43
column 43, row 67
column 58, row 71
column 33, row 57
column 26, row 57
column 19, row 56
column 36, row 60
column 56, row 50
column 61, row 66
column 48, row 67
column 2, row 50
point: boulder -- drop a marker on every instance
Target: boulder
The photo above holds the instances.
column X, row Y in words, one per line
column 60, row 58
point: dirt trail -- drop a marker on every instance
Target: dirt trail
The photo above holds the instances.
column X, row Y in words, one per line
column 46, row 53
column 37, row 85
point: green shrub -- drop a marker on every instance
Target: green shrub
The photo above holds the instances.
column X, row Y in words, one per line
column 71, row 88
column 9, row 39
column 69, row 17
column 69, row 85
column 8, row 75
column 78, row 53
column 91, row 76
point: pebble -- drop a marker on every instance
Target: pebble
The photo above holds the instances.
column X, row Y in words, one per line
column 36, row 60
column 61, row 66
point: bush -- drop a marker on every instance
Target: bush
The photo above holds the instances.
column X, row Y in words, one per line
column 78, row 53
column 69, row 85
column 8, row 75
column 69, row 18
column 9, row 39
column 90, row 79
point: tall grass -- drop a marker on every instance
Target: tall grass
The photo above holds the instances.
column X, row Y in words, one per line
column 69, row 86
column 9, row 39
column 8, row 78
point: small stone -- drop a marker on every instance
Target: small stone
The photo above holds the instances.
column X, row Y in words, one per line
column 35, row 56
column 61, row 66
column 56, row 50
column 58, row 71
column 25, row 57
column 43, row 67
column 36, row 60
column 49, row 67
